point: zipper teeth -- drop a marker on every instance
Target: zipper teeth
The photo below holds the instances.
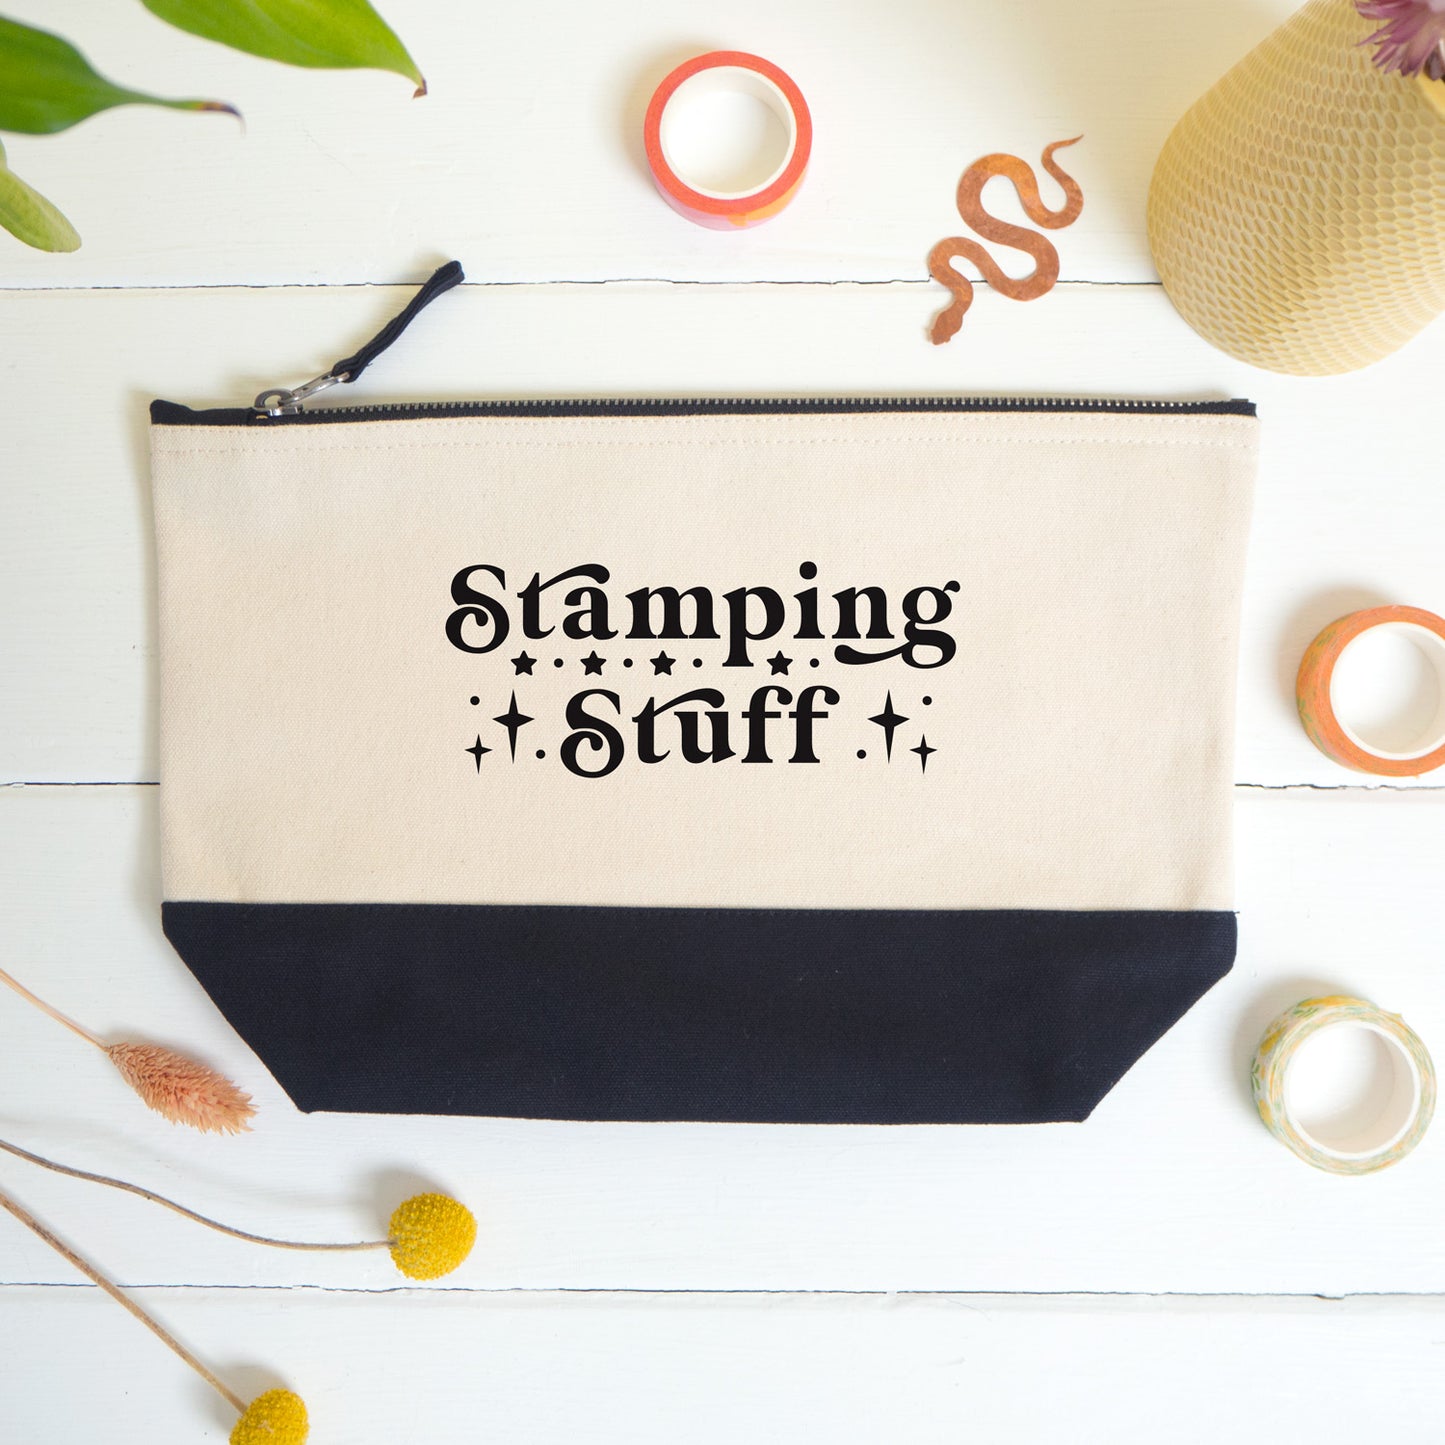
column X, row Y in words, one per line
column 721, row 406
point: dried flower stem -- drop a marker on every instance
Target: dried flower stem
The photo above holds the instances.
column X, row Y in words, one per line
column 54, row 1013
column 93, row 1274
column 160, row 1199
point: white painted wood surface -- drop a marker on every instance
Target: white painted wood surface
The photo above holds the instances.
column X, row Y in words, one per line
column 524, row 161
column 527, row 153
column 717, row 1369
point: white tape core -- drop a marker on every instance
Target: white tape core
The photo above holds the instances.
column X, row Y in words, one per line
column 727, row 132
column 1352, row 1090
column 1387, row 691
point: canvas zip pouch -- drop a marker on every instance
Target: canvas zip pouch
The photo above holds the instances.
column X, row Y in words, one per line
column 833, row 761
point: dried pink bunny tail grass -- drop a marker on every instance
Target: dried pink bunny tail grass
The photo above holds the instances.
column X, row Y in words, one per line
column 184, row 1091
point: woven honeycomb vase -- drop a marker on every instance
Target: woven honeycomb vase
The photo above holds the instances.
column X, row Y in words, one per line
column 1297, row 212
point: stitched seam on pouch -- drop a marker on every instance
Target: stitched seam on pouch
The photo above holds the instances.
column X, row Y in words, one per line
column 495, row 444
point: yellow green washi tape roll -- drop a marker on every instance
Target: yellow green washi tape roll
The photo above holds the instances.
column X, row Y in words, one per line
column 1400, row 1126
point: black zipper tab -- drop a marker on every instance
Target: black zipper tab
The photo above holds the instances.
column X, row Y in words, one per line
column 284, row 401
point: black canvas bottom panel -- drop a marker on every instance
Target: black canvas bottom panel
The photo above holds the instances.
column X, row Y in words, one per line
column 743, row 1015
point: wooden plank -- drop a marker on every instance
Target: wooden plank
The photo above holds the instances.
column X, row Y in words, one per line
column 1348, row 511
column 432, row 1365
column 526, row 156
column 1173, row 1185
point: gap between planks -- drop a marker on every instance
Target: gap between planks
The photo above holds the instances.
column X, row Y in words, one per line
column 1201, row 1297
column 539, row 282
column 1401, row 788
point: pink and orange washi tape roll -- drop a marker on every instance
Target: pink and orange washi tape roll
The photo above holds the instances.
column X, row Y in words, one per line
column 1315, row 693
column 707, row 75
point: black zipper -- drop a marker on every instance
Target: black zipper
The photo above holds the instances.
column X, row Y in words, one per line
column 170, row 413
column 287, row 405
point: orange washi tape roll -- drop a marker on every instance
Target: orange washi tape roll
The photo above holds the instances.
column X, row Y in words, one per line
column 708, row 75
column 1314, row 692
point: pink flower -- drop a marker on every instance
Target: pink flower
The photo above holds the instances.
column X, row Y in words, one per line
column 1412, row 39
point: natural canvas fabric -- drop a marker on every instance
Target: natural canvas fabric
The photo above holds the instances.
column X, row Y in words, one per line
column 845, row 766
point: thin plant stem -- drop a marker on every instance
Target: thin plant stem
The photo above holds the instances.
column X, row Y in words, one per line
column 54, row 1013
column 93, row 1274
column 160, row 1199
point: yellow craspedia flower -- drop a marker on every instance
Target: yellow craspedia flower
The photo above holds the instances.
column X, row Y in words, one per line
column 276, row 1418
column 431, row 1235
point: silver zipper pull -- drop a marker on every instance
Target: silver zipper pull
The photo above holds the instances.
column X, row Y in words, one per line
column 280, row 401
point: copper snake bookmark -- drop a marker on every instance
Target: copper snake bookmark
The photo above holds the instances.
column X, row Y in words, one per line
column 970, row 207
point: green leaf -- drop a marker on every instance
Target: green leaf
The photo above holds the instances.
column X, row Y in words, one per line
column 322, row 34
column 29, row 217
column 47, row 85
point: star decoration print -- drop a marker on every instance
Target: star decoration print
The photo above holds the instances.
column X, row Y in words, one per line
column 841, row 642
column 514, row 719
column 890, row 722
